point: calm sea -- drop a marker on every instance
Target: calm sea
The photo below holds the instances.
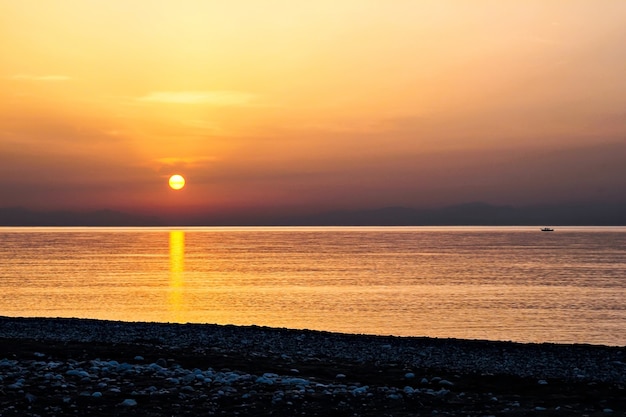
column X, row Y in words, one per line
column 509, row 283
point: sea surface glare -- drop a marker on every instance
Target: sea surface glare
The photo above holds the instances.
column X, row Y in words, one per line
column 496, row 283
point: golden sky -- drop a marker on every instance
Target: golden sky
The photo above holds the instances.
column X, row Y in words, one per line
column 310, row 105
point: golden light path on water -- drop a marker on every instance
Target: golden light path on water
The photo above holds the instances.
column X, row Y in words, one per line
column 177, row 278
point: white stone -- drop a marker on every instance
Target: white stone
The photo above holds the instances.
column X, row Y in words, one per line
column 264, row 380
column 442, row 392
column 295, row 381
column 78, row 372
column 156, row 368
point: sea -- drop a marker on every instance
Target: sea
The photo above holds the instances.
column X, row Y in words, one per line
column 495, row 283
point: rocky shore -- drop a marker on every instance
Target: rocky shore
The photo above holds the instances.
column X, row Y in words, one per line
column 59, row 367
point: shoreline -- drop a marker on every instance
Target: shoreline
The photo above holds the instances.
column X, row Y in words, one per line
column 313, row 372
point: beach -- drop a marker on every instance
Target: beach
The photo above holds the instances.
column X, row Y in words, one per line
column 91, row 367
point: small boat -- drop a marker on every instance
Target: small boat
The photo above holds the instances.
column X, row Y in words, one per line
column 547, row 229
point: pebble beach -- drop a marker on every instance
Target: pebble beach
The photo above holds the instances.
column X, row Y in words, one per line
column 62, row 367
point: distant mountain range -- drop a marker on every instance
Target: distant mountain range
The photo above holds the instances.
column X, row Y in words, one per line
column 479, row 214
column 471, row 214
column 19, row 216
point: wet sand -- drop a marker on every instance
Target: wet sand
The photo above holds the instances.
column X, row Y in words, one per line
column 103, row 368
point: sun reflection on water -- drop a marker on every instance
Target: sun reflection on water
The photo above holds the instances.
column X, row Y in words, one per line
column 177, row 270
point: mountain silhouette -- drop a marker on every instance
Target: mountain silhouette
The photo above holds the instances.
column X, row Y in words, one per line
column 470, row 214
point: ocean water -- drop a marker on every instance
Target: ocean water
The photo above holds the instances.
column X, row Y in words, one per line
column 509, row 283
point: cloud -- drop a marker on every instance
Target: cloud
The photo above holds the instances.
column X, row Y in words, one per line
column 542, row 40
column 31, row 77
column 187, row 161
column 215, row 98
column 167, row 166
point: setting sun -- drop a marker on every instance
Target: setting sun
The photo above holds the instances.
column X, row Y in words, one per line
column 176, row 182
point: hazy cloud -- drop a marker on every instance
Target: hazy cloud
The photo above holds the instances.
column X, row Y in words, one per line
column 31, row 77
column 214, row 98
column 168, row 166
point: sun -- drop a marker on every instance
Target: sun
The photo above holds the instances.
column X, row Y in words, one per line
column 176, row 182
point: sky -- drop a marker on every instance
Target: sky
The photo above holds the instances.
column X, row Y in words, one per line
column 307, row 106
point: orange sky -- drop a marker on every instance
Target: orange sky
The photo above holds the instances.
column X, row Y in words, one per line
column 311, row 105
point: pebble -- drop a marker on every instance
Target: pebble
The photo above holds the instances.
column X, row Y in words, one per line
column 129, row 402
column 264, row 380
column 78, row 372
